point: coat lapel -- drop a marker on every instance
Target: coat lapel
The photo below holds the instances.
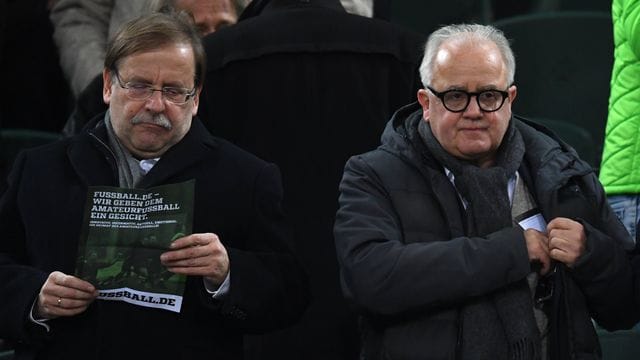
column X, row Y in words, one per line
column 195, row 146
column 100, row 169
column 92, row 159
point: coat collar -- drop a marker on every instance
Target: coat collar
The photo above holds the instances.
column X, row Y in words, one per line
column 94, row 161
column 281, row 4
column 192, row 149
column 401, row 138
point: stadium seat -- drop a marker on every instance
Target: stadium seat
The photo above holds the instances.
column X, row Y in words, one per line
column 619, row 345
column 12, row 141
column 563, row 70
column 576, row 136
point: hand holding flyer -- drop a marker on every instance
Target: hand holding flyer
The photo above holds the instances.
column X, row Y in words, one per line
column 124, row 233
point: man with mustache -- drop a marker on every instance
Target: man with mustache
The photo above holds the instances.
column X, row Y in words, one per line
column 241, row 276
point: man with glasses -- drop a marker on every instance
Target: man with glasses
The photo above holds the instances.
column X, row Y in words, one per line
column 241, row 276
column 474, row 234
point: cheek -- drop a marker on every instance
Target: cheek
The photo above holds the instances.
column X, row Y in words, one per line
column 181, row 121
column 445, row 126
column 128, row 109
column 500, row 129
column 444, row 133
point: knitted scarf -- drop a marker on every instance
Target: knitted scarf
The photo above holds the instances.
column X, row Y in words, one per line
column 499, row 325
column 129, row 173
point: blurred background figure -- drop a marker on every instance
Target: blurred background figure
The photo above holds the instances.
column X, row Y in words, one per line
column 208, row 15
column 358, row 7
column 620, row 168
column 305, row 84
column 83, row 27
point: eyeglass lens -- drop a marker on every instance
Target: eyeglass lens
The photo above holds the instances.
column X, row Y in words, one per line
column 140, row 91
column 458, row 100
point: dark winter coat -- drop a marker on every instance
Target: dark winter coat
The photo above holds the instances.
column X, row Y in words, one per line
column 408, row 267
column 237, row 197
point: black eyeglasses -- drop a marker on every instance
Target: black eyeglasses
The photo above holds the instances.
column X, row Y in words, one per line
column 141, row 91
column 457, row 100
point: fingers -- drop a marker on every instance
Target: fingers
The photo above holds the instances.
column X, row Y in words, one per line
column 198, row 254
column 561, row 223
column 64, row 295
column 567, row 240
column 538, row 250
column 565, row 228
column 566, row 250
column 193, row 240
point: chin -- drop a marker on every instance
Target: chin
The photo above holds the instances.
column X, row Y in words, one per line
column 147, row 148
column 475, row 152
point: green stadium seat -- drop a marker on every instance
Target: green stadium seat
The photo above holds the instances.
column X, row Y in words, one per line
column 563, row 70
column 577, row 136
column 12, row 141
column 619, row 345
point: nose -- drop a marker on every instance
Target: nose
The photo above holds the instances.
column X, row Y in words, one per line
column 473, row 109
column 155, row 103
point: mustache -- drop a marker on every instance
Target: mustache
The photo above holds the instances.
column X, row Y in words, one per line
column 154, row 119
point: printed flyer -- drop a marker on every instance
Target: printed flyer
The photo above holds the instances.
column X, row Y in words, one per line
column 124, row 233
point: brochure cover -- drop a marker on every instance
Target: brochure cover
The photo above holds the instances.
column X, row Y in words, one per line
column 124, row 233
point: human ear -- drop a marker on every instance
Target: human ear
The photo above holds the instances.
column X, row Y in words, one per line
column 106, row 87
column 423, row 99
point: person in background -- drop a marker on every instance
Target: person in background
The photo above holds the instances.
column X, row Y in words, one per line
column 209, row 16
column 241, row 275
column 620, row 167
column 83, row 27
column 305, row 85
column 358, row 7
column 473, row 234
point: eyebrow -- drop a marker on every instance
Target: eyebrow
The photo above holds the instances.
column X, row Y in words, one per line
column 140, row 80
column 478, row 89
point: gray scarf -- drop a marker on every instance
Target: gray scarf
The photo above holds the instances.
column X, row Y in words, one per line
column 129, row 172
column 499, row 325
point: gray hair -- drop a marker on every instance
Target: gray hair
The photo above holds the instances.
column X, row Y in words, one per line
column 466, row 31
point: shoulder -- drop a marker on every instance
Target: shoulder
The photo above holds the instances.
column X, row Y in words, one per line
column 311, row 30
column 375, row 160
column 544, row 147
column 48, row 153
column 384, row 167
column 238, row 156
column 240, row 165
column 200, row 138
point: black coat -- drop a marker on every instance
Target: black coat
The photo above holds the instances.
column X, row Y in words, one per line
column 306, row 86
column 237, row 196
column 407, row 264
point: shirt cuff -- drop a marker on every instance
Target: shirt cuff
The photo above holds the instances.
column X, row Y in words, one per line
column 220, row 291
column 40, row 322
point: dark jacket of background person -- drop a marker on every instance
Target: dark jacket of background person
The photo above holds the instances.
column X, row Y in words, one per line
column 397, row 200
column 306, row 85
column 236, row 196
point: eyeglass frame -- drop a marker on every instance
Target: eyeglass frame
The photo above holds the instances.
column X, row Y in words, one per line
column 441, row 94
column 189, row 93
